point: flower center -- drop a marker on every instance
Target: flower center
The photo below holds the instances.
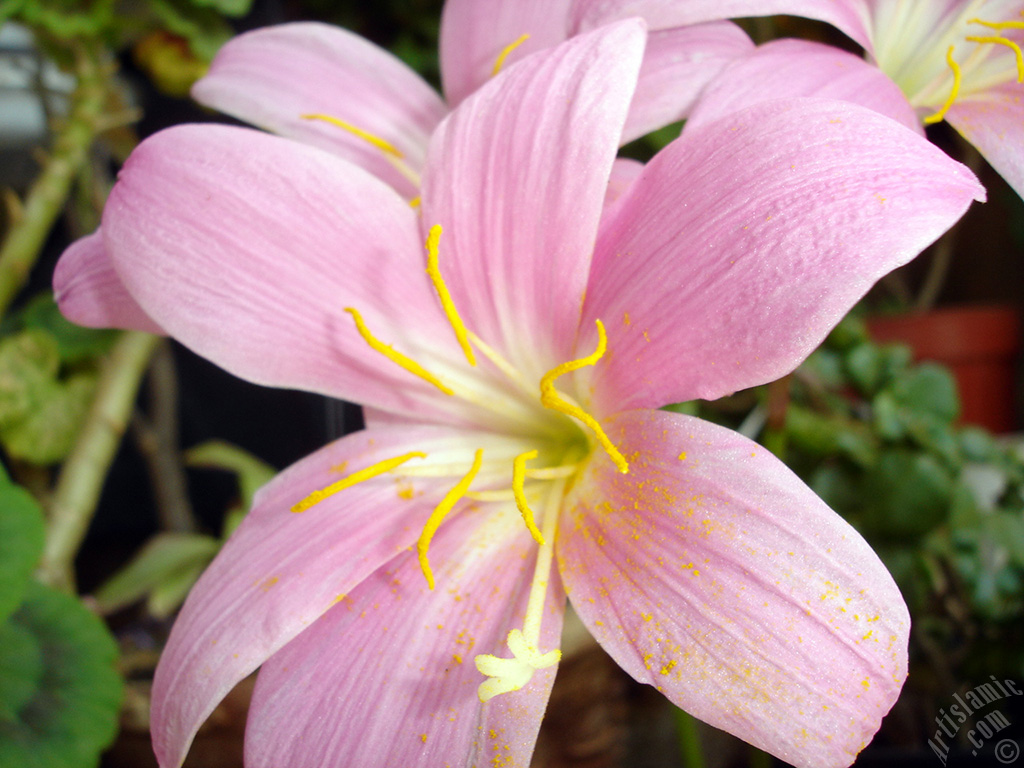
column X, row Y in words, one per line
column 561, row 445
column 936, row 61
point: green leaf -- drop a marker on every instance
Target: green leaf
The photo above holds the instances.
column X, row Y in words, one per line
column 907, row 494
column 253, row 473
column 46, row 434
column 22, row 532
column 157, row 563
column 68, row 19
column 205, row 30
column 227, row 7
column 166, row 596
column 864, row 366
column 29, row 361
column 66, row 714
column 928, row 388
column 75, row 344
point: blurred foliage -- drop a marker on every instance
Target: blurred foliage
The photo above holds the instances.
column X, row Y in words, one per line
column 163, row 571
column 60, row 692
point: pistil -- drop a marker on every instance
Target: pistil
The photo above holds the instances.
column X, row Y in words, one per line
column 507, row 675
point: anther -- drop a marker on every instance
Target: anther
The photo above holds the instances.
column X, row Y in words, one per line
column 550, row 398
column 518, row 480
column 1009, row 44
column 954, row 91
column 434, row 270
column 393, row 355
column 356, row 477
column 440, row 512
column 382, row 144
column 500, row 61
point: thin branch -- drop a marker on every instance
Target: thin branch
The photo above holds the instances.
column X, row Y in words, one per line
column 48, row 194
column 83, row 474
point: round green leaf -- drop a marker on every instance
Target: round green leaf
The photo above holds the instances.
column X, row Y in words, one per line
column 69, row 713
column 21, row 542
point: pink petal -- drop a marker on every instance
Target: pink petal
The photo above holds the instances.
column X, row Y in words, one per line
column 89, row 291
column 786, row 68
column 712, row 573
column 387, row 678
column 678, row 63
column 475, row 32
column 994, row 123
column 624, row 172
column 786, row 214
column 850, row 16
column 517, row 178
column 271, row 77
column 247, row 248
column 280, row 571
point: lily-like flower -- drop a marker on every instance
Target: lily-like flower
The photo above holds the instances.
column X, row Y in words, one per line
column 402, row 589
column 954, row 60
column 263, row 78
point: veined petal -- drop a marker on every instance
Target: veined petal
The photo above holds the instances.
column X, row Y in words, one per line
column 788, row 212
column 248, row 248
column 994, row 123
column 712, row 573
column 517, row 177
column 787, row 68
column 89, row 291
column 850, row 16
column 677, row 64
column 271, row 77
column 396, row 648
column 281, row 570
column 475, row 33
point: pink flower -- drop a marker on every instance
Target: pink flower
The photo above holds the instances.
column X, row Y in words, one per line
column 263, row 78
column 403, row 588
column 953, row 60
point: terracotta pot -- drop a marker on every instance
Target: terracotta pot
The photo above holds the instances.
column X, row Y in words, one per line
column 979, row 344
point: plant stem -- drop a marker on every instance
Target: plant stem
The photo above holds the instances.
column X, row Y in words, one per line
column 690, row 752
column 83, row 474
column 49, row 192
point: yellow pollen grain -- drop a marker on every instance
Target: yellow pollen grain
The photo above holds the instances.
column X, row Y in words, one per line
column 416, row 202
column 423, row 738
column 395, row 356
column 518, row 479
column 382, row 144
column 549, row 397
column 434, row 270
column 439, row 513
column 500, row 61
column 954, row 91
column 356, row 477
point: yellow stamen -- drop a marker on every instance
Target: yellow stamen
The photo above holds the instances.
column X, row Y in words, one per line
column 356, row 477
column 999, row 24
column 439, row 513
column 550, row 398
column 506, row 51
column 433, row 239
column 416, row 202
column 382, row 144
column 1009, row 44
column 391, row 354
column 518, row 478
column 954, row 91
